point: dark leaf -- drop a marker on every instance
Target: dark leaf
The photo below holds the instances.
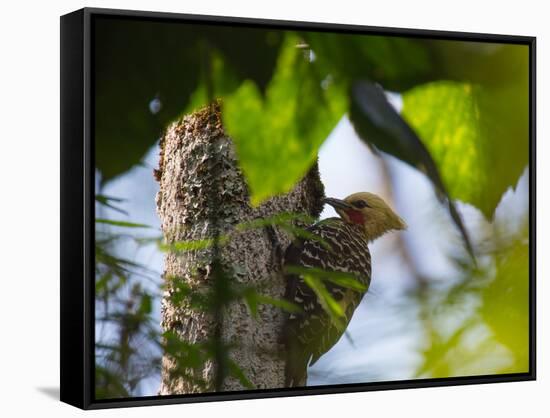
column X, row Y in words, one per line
column 395, row 62
column 109, row 385
column 107, row 201
column 379, row 125
column 138, row 63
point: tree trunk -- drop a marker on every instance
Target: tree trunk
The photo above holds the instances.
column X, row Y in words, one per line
column 189, row 175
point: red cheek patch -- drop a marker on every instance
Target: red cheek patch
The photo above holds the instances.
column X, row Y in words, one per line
column 356, row 217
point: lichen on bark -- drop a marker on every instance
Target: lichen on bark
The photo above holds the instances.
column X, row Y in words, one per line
column 186, row 176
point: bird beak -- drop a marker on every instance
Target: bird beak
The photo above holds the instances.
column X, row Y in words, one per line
column 337, row 203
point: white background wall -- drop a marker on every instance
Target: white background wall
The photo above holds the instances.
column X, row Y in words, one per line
column 29, row 212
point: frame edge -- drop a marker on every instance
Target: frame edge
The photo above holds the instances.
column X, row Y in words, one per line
column 72, row 320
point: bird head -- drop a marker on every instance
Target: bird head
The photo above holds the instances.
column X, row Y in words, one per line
column 369, row 211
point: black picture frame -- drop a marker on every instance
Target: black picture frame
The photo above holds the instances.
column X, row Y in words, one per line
column 77, row 210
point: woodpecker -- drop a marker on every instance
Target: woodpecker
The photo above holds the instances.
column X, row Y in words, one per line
column 342, row 247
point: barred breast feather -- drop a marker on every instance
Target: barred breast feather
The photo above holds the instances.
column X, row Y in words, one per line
column 311, row 333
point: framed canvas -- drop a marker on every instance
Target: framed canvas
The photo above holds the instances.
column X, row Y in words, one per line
column 257, row 208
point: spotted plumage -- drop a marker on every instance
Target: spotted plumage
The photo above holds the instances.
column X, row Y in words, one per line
column 343, row 247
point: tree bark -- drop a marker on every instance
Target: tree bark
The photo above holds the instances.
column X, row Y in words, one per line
column 189, row 175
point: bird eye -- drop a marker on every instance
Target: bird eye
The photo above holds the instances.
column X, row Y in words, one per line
column 360, row 204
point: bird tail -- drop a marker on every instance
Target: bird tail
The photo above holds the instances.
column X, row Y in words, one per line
column 296, row 366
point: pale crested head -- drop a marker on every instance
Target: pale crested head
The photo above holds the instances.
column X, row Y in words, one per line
column 370, row 211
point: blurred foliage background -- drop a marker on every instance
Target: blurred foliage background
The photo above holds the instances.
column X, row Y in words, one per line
column 455, row 113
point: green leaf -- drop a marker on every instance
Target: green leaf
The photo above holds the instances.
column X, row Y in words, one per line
column 106, row 201
column 280, row 219
column 123, row 224
column 102, row 282
column 477, row 135
column 186, row 355
column 253, row 299
column 305, row 234
column 119, row 267
column 348, row 282
column 236, row 372
column 314, row 277
column 342, row 279
column 331, row 306
column 277, row 137
column 192, row 245
column 284, row 220
column 505, row 305
column 197, row 298
column 279, row 303
column 109, row 384
column 146, row 304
